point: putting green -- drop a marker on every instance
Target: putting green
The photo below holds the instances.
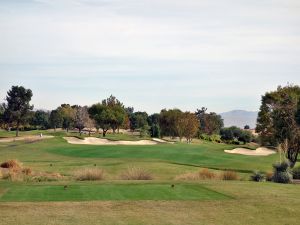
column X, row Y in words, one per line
column 87, row 192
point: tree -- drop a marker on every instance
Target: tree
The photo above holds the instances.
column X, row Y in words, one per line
column 102, row 115
column 82, row 118
column 68, row 115
column 167, row 122
column 2, row 109
column 90, row 124
column 153, row 121
column 138, row 120
column 56, row 119
column 209, row 123
column 278, row 120
column 18, row 106
column 40, row 119
column 118, row 111
column 187, row 126
column 236, row 134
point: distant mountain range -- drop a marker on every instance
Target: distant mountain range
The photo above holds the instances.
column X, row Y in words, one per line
column 239, row 118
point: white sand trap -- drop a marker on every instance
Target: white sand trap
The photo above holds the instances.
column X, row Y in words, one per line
column 99, row 141
column 25, row 138
column 258, row 152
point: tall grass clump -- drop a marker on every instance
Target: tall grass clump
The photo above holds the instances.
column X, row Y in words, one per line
column 89, row 174
column 229, row 175
column 136, row 173
column 282, row 173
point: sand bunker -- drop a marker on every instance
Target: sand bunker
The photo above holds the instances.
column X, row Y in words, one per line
column 162, row 141
column 258, row 152
column 99, row 141
column 25, row 138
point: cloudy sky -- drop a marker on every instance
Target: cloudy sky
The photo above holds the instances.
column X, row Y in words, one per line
column 151, row 54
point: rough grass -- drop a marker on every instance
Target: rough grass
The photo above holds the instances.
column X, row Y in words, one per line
column 253, row 203
column 89, row 174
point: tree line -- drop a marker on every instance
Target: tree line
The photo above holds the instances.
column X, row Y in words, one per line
column 112, row 114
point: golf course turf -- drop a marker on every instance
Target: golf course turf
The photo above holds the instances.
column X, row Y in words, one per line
column 114, row 201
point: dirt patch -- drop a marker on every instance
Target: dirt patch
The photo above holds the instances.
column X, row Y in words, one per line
column 258, row 152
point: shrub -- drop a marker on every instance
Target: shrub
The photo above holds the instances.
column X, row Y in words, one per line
column 229, row 175
column 296, row 172
column 89, row 174
column 282, row 173
column 257, row 176
column 12, row 164
column 283, row 177
column 135, row 173
column 281, row 167
column 205, row 174
column 269, row 176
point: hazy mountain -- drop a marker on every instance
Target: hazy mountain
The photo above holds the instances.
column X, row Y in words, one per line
column 239, row 118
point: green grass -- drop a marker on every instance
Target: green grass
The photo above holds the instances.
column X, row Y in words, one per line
column 164, row 161
column 206, row 154
column 87, row 192
column 115, row 202
column 252, row 203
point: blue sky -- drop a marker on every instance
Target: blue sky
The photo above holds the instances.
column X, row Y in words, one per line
column 151, row 54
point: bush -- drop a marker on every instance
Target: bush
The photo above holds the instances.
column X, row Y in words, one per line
column 257, row 176
column 283, row 177
column 281, row 167
column 212, row 138
column 282, row 173
column 229, row 175
column 135, row 173
column 89, row 174
column 296, row 173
